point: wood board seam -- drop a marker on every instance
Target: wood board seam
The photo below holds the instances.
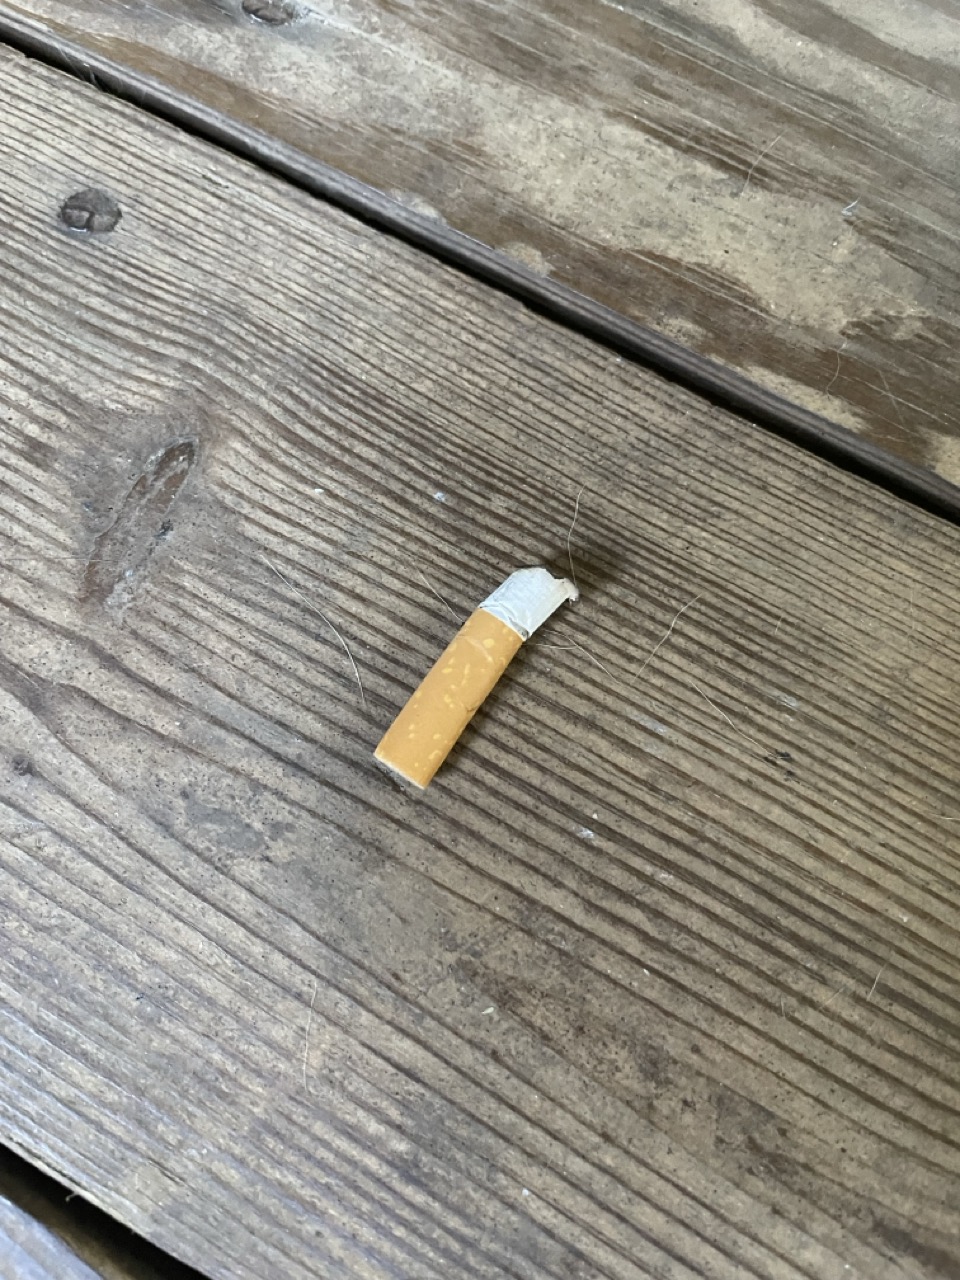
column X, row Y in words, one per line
column 721, row 386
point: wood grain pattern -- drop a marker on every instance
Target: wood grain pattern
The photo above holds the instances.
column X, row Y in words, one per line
column 772, row 182
column 29, row 1251
column 46, row 1234
column 660, row 977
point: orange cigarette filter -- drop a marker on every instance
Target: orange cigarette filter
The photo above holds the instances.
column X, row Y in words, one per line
column 423, row 734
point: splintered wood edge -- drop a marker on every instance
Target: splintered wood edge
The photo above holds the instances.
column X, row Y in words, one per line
column 725, row 387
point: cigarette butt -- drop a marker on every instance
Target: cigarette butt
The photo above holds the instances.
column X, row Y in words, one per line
column 423, row 734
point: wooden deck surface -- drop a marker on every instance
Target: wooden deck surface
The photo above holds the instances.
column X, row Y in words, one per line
column 659, row 979
column 48, row 1234
column 771, row 182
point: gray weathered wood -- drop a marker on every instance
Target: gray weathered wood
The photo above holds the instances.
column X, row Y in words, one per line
column 772, row 182
column 658, row 979
column 46, row 1234
column 30, row 1251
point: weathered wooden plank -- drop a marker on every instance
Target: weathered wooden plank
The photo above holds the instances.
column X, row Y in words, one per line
column 29, row 1251
column 46, row 1234
column 658, row 979
column 772, row 182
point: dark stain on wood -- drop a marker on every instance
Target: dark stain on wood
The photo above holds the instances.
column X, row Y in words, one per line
column 122, row 551
column 91, row 210
column 273, row 13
